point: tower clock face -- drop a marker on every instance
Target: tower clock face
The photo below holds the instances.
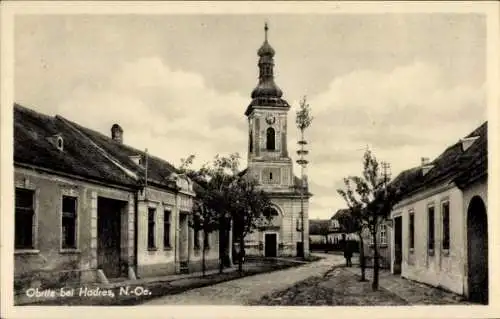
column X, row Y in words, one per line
column 270, row 119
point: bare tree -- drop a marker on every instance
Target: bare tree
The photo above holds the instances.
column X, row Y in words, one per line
column 353, row 222
column 371, row 198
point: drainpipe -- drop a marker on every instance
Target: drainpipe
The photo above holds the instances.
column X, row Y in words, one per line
column 176, row 228
column 136, row 234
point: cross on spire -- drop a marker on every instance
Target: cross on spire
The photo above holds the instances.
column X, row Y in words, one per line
column 266, row 28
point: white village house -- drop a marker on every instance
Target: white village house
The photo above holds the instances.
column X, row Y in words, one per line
column 440, row 232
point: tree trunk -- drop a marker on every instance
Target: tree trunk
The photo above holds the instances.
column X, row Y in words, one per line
column 242, row 253
column 375, row 262
column 203, row 262
column 362, row 257
column 222, row 235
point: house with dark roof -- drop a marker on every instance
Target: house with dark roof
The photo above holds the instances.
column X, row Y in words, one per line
column 336, row 232
column 384, row 233
column 318, row 231
column 440, row 233
column 89, row 208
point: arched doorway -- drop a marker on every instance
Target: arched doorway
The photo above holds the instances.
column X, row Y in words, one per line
column 477, row 251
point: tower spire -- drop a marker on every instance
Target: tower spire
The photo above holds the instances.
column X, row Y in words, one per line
column 266, row 93
column 266, row 28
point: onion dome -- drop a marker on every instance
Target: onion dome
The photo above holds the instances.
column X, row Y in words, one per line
column 266, row 50
column 267, row 89
column 266, row 86
column 266, row 93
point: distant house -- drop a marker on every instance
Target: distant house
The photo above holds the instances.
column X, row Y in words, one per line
column 318, row 231
column 336, row 233
column 440, row 232
column 383, row 235
column 88, row 207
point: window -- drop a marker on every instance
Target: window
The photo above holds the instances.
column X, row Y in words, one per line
column 69, row 218
column 60, row 144
column 271, row 175
column 383, row 234
column 412, row 230
column 24, row 219
column 430, row 223
column 151, row 228
column 196, row 238
column 270, row 139
column 206, row 240
column 250, row 142
column 166, row 229
column 446, row 225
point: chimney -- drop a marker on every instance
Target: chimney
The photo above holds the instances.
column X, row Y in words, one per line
column 117, row 133
column 425, row 161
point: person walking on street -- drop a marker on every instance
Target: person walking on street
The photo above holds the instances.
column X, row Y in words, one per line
column 348, row 252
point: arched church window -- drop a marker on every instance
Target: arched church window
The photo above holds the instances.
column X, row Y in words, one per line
column 271, row 211
column 270, row 139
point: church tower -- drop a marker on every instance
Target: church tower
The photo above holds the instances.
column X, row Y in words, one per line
column 271, row 165
column 268, row 159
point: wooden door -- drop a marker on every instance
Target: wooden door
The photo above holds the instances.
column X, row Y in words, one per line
column 108, row 237
column 270, row 245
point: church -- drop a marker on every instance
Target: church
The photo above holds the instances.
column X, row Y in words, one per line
column 270, row 164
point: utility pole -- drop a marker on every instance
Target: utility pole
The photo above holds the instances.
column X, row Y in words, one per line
column 386, row 175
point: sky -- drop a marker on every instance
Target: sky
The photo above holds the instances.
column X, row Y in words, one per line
column 405, row 85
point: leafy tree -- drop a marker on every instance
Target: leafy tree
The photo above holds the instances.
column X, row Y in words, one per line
column 251, row 211
column 353, row 222
column 204, row 217
column 370, row 198
column 225, row 197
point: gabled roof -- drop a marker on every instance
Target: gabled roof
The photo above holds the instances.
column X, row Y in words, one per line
column 33, row 146
column 159, row 170
column 339, row 213
column 475, row 161
column 454, row 165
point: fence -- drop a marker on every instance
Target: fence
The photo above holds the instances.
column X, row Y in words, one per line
column 331, row 247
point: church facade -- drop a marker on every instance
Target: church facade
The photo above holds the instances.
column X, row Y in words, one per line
column 270, row 164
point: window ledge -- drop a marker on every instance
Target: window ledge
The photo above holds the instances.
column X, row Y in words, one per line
column 152, row 249
column 69, row 251
column 26, row 251
column 430, row 252
column 446, row 252
column 167, row 248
